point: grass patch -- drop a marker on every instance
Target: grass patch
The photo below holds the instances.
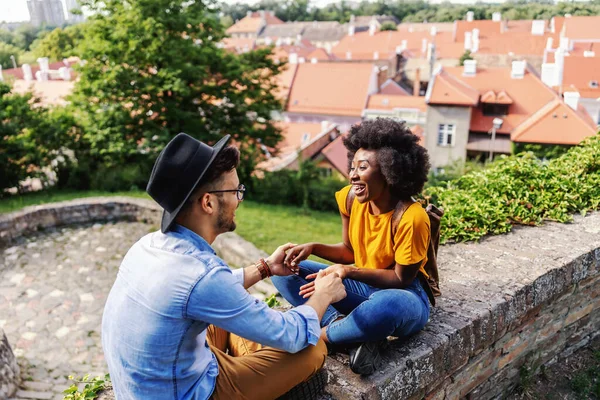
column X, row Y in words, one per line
column 267, row 226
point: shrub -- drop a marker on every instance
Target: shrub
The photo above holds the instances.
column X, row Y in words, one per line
column 520, row 189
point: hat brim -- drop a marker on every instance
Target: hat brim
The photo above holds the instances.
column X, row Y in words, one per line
column 168, row 218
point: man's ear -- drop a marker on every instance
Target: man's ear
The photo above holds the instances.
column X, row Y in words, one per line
column 207, row 203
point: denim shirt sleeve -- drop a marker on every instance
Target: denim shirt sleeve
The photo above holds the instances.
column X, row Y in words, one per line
column 219, row 299
column 238, row 274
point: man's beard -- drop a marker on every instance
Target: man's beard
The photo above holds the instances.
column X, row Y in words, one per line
column 223, row 223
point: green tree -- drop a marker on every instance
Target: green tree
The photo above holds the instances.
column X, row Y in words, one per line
column 26, row 130
column 25, row 35
column 388, row 26
column 154, row 68
column 7, row 50
column 6, row 36
column 466, row 56
column 59, row 43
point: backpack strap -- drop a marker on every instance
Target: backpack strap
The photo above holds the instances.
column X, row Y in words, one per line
column 349, row 200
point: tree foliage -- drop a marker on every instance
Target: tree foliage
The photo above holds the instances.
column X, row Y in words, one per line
column 465, row 56
column 29, row 134
column 154, row 69
column 7, row 50
column 59, row 43
column 388, row 26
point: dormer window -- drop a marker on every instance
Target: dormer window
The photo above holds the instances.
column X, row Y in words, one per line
column 494, row 110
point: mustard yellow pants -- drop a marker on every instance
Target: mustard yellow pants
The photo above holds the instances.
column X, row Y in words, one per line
column 249, row 371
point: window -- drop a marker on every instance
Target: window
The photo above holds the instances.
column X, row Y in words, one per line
column 446, row 133
column 494, row 110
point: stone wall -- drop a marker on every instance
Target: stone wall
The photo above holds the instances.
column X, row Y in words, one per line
column 530, row 297
column 9, row 370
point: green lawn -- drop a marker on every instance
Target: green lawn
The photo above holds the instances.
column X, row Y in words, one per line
column 265, row 225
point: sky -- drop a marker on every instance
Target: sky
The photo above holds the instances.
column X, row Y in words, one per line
column 16, row 10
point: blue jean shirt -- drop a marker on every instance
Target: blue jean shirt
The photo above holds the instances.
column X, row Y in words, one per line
column 169, row 288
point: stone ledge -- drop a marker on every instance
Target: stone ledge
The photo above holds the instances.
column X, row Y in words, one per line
column 528, row 296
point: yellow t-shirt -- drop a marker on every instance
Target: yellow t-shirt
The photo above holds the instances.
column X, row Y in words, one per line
column 371, row 235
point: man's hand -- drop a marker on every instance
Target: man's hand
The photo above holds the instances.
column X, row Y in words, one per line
column 339, row 269
column 330, row 285
column 276, row 259
column 297, row 253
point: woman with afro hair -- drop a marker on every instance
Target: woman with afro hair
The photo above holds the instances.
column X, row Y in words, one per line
column 387, row 167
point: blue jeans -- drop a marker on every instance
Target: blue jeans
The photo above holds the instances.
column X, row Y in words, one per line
column 371, row 313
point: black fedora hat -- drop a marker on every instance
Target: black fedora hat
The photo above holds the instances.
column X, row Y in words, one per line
column 177, row 171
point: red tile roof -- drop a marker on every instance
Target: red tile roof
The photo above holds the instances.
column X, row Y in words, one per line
column 528, row 94
column 363, row 45
column 238, row 45
column 582, row 28
column 579, row 48
column 578, row 74
column 320, row 54
column 285, row 81
column 390, row 102
column 392, row 87
column 336, row 88
column 555, row 123
column 295, row 134
column 517, row 43
column 337, row 154
column 252, row 23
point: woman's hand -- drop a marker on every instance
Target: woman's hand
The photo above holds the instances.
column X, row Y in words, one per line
column 339, row 269
column 276, row 261
column 298, row 253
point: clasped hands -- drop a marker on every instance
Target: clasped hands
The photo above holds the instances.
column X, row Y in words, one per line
column 285, row 260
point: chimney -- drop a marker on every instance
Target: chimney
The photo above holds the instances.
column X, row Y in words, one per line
column 65, row 73
column 351, row 29
column 348, row 55
column 468, row 42
column 262, row 14
column 538, row 27
column 470, row 16
column 497, row 17
column 248, row 13
column 470, row 68
column 404, row 44
column 324, row 125
column 298, row 38
column 572, row 99
column 417, row 83
column 293, row 58
column 278, row 42
column 564, row 43
column 518, row 70
column 352, row 18
column 375, row 55
column 549, row 43
column 301, row 60
column 423, row 46
column 588, row 53
column 27, row 74
column 475, row 45
column 559, row 61
column 549, row 74
column 314, row 60
column 372, row 27
column 268, row 41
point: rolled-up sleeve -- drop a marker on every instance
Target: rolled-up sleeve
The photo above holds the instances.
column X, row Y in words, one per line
column 238, row 274
column 219, row 299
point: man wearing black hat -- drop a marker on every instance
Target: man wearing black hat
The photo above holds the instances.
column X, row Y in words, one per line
column 178, row 322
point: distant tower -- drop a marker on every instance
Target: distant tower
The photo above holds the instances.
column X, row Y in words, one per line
column 49, row 12
column 74, row 5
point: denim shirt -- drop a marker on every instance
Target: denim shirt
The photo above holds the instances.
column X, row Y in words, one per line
column 169, row 288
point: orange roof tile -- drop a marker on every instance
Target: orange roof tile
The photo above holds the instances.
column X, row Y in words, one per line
column 337, row 154
column 528, row 94
column 363, row 45
column 447, row 89
column 295, row 134
column 392, row 87
column 253, row 23
column 331, row 88
column 390, row 102
column 581, row 28
column 485, row 27
column 555, row 123
column 517, row 43
column 285, row 80
column 320, row 54
column 578, row 74
column 578, row 50
column 491, row 97
column 425, row 26
column 238, row 44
